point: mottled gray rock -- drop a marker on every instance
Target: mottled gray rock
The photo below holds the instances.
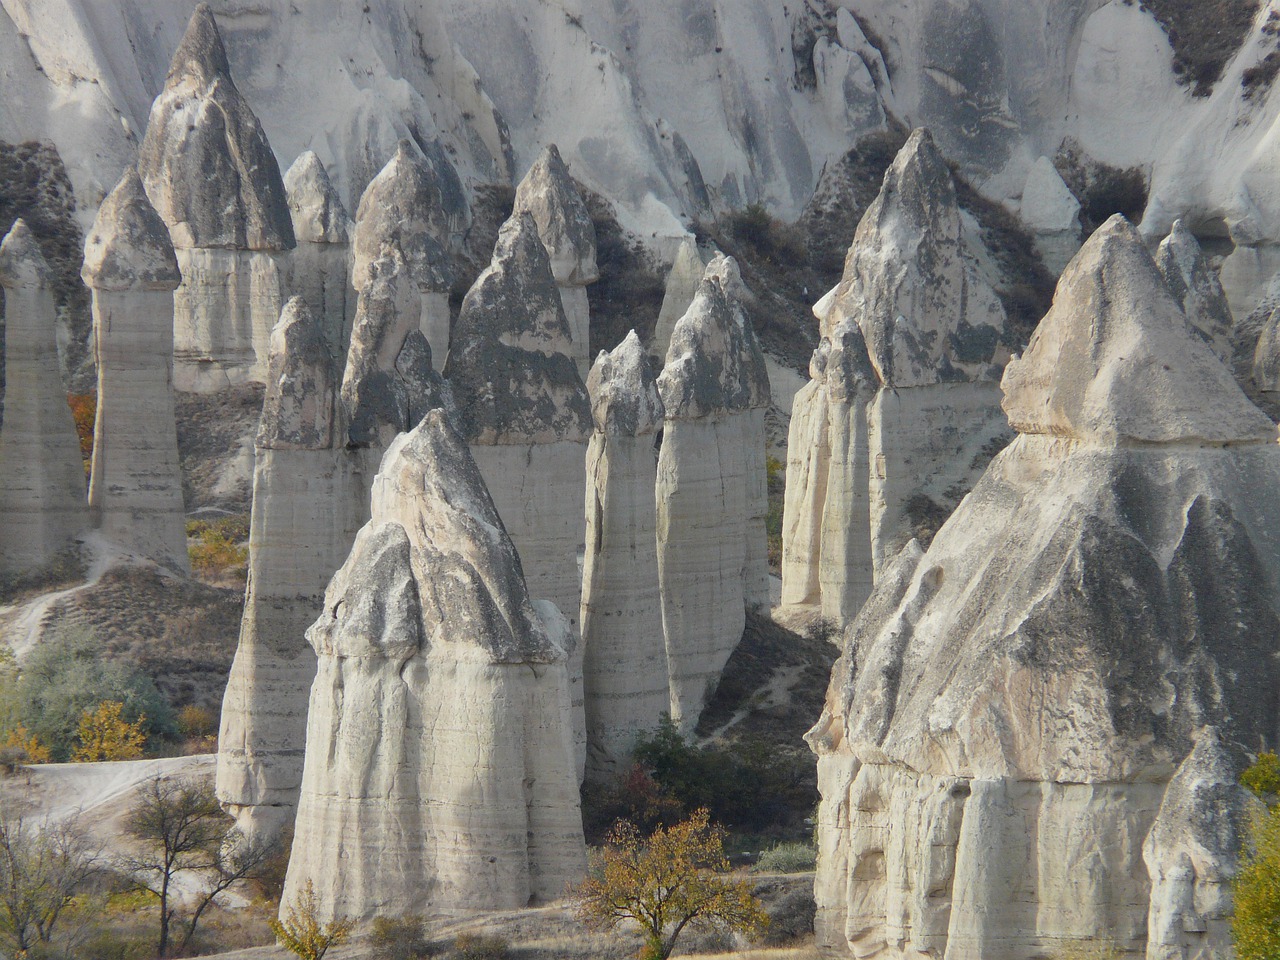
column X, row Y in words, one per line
column 42, row 491
column 1003, row 730
column 1195, row 286
column 439, row 773
column 318, row 269
column 1266, row 357
column 135, row 487
column 682, row 284
column 297, row 410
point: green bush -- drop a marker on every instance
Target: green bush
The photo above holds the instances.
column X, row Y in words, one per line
column 480, row 946
column 400, row 938
column 788, row 858
column 1255, row 927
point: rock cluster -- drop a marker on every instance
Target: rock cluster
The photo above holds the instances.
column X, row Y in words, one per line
column 135, row 487
column 439, row 772
column 550, row 196
column 625, row 684
column 714, row 388
column 42, row 484
column 212, row 177
column 1035, row 731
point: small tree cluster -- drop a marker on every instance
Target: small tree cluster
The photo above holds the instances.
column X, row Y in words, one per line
column 302, row 932
column 105, row 734
column 1255, row 928
column 42, row 867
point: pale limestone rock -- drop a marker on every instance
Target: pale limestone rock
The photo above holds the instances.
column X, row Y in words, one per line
column 135, row 487
column 808, row 462
column 625, row 685
column 417, row 204
column 682, row 283
column 998, row 752
column 42, row 490
column 549, row 194
column 711, row 387
column 439, row 773
column 1052, row 213
column 1195, row 285
column 213, row 179
column 525, row 413
column 1266, row 357
column 318, row 270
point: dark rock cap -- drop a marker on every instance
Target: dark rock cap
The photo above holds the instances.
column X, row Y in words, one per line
column 564, row 223
column 297, row 410
column 314, row 205
column 21, row 262
column 128, row 246
column 624, row 391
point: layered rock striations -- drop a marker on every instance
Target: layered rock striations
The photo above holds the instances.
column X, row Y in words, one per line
column 1033, row 738
column 524, row 411
column 439, row 772
column 625, row 684
column 416, row 204
column 1195, row 286
column 42, row 489
column 319, row 268
column 549, row 194
column 212, row 177
column 712, row 387
column 135, row 486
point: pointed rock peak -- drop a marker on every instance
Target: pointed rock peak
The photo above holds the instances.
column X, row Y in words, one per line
column 1115, row 360
column 468, row 572
column 704, row 371
column 624, row 391
column 128, row 245
column 297, row 410
column 724, row 270
column 919, row 177
column 1048, row 205
column 754, row 375
column 21, row 262
column 317, row 210
column 564, row 223
column 201, row 53
column 1181, row 260
column 510, row 358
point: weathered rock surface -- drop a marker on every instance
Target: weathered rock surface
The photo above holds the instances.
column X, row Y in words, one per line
column 1052, row 213
column 318, row 269
column 682, row 284
column 549, row 194
column 525, row 413
column 711, row 389
column 135, row 486
column 439, row 772
column 1266, row 356
column 625, row 684
column 212, row 177
column 1194, row 284
column 1014, row 757
column 42, row 489
column 417, row 204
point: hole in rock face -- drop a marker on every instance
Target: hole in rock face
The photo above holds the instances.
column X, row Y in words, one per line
column 933, row 578
column 1214, row 236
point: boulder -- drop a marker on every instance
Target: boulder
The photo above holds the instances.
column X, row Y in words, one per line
column 439, row 772
column 1016, row 752
column 42, row 483
column 135, row 486
column 1195, row 286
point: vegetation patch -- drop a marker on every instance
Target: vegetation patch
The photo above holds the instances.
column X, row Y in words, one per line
column 1103, row 190
column 628, row 295
column 219, row 548
column 1204, row 34
column 66, row 569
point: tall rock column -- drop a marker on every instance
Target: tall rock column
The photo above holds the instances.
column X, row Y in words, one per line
column 625, row 680
column 439, row 772
column 42, row 491
column 212, row 177
column 135, row 487
column 319, row 268
column 548, row 193
column 525, row 413
column 417, row 205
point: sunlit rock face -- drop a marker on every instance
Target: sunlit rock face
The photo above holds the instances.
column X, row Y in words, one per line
column 214, row 180
column 1033, row 719
column 1195, row 286
column 440, row 772
column 682, row 284
column 135, row 489
column 1052, row 213
column 710, row 475
column 42, row 488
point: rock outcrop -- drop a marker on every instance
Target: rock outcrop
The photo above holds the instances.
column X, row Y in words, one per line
column 42, row 488
column 319, row 268
column 524, row 411
column 682, row 284
column 1052, row 213
column 549, row 194
column 416, row 203
column 439, row 771
column 712, row 389
column 135, row 486
column 212, row 177
column 1195, row 286
column 625, row 684
column 1032, row 719
column 1266, row 356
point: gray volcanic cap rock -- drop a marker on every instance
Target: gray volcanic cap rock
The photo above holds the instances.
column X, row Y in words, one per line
column 21, row 262
column 509, row 363
column 846, row 365
column 1116, row 360
column 564, row 223
column 624, row 391
column 205, row 159
column 317, row 210
column 753, row 372
column 297, row 410
column 129, row 244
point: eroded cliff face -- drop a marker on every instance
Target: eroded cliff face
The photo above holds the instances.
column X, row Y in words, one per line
column 1010, row 757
